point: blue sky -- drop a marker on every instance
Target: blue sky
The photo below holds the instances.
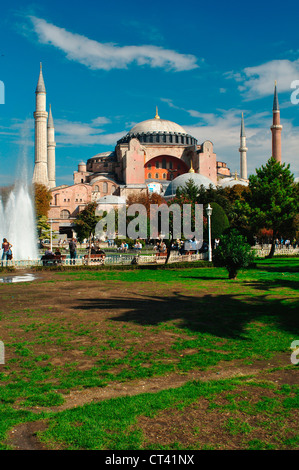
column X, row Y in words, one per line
column 107, row 65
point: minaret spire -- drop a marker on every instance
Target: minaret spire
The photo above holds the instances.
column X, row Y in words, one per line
column 276, row 127
column 40, row 88
column 40, row 174
column 243, row 151
column 51, row 150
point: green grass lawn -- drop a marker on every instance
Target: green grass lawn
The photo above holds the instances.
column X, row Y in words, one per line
column 76, row 330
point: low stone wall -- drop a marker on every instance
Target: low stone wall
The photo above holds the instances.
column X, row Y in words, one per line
column 262, row 251
column 117, row 259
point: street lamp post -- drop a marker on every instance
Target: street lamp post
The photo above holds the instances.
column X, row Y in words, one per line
column 51, row 244
column 209, row 213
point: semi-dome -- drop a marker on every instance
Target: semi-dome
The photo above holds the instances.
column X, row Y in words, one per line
column 230, row 182
column 181, row 180
column 110, row 199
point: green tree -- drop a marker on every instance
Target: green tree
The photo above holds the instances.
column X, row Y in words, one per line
column 85, row 224
column 219, row 220
column 233, row 253
column 271, row 201
column 189, row 191
column 43, row 228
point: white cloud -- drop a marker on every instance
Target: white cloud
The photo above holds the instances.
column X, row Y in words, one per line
column 100, row 120
column 107, row 56
column 80, row 133
column 223, row 130
column 258, row 81
column 77, row 129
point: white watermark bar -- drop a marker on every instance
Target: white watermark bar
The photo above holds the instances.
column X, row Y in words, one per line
column 295, row 94
column 295, row 353
column 2, row 353
column 172, row 222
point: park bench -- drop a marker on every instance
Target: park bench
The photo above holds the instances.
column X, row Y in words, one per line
column 95, row 259
column 50, row 260
column 161, row 256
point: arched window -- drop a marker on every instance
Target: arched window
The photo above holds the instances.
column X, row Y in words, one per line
column 149, row 175
column 65, row 214
column 105, row 187
column 96, row 188
column 113, row 188
column 149, row 166
column 56, row 200
column 157, row 175
column 157, row 164
column 164, row 176
column 164, row 163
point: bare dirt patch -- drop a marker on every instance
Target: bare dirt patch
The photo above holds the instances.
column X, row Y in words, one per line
column 63, row 311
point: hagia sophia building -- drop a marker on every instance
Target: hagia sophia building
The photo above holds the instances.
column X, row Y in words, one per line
column 156, row 155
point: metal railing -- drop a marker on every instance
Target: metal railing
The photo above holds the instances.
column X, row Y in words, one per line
column 143, row 259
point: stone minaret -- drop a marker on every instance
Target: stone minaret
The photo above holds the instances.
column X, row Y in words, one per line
column 51, row 150
column 243, row 149
column 276, row 128
column 40, row 174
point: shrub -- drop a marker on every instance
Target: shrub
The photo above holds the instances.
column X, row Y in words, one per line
column 233, row 253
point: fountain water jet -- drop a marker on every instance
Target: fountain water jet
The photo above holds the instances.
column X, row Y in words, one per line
column 17, row 215
column 18, row 223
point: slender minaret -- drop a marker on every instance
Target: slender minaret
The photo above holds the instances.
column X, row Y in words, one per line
column 51, row 150
column 276, row 128
column 40, row 174
column 243, row 149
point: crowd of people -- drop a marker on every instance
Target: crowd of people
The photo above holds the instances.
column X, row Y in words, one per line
column 280, row 243
column 287, row 243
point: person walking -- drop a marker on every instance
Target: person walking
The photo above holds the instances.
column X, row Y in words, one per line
column 73, row 250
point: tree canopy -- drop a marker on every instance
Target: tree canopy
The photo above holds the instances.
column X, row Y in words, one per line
column 271, row 201
column 86, row 222
column 42, row 198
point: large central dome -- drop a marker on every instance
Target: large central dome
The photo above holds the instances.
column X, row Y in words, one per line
column 157, row 125
column 159, row 131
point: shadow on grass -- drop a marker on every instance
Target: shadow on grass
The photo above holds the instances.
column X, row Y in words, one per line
column 266, row 285
column 285, row 268
column 220, row 315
